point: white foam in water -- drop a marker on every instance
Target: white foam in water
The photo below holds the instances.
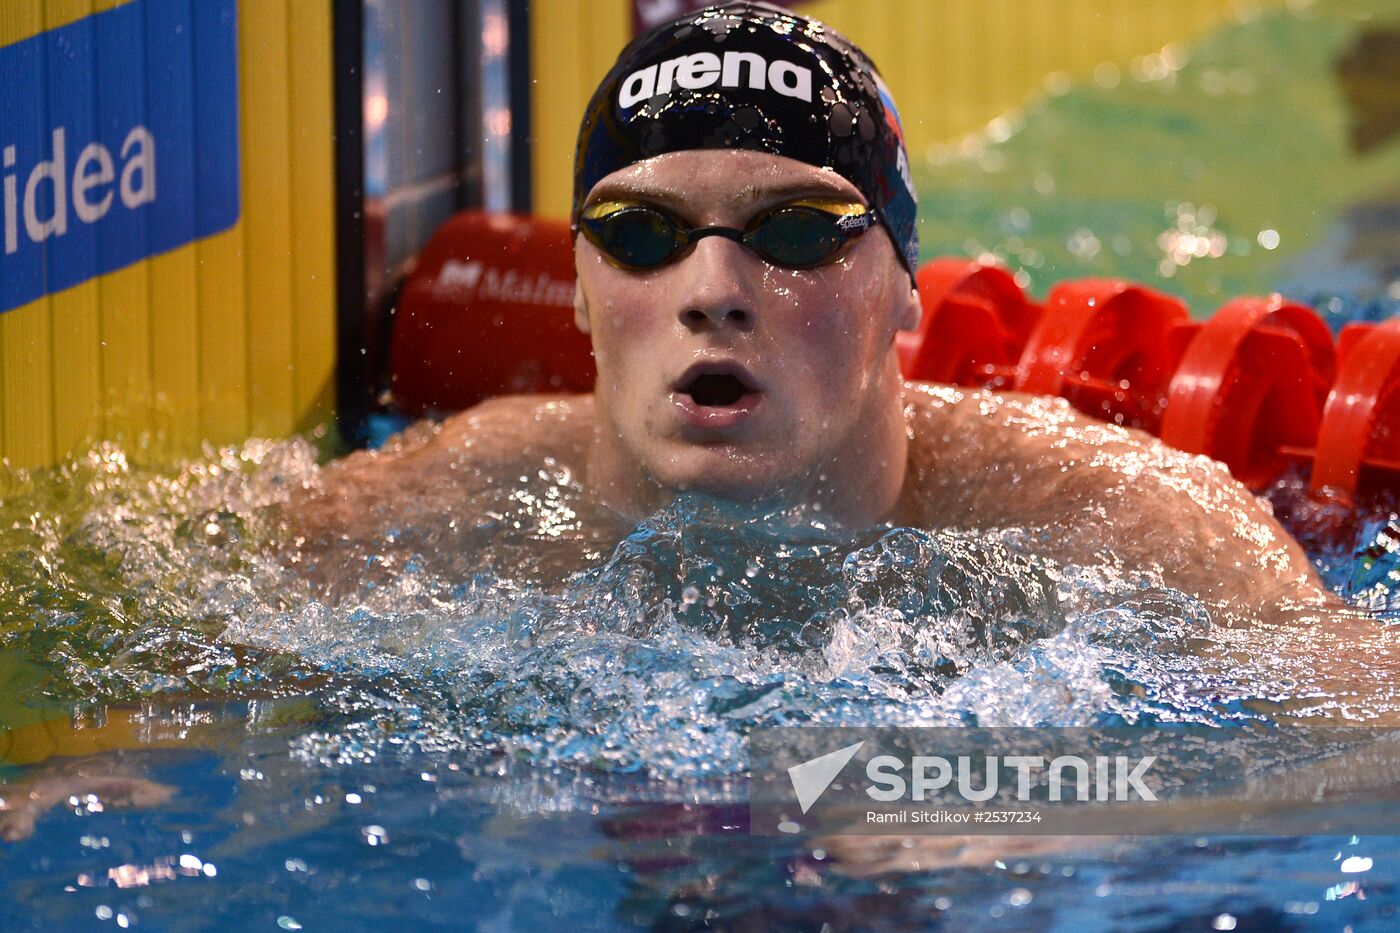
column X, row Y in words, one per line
column 658, row 656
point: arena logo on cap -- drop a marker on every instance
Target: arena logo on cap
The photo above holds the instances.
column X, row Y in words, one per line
column 703, row 69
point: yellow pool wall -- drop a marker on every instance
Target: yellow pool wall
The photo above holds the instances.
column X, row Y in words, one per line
column 225, row 337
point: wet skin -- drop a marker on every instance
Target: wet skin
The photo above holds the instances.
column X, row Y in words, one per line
column 824, row 426
column 1074, row 490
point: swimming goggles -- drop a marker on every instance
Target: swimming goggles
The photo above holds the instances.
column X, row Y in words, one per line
column 794, row 235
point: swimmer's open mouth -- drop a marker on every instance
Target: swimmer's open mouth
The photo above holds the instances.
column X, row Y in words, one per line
column 716, row 385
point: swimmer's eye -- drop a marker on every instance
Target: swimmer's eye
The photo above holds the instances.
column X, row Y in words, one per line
column 795, row 235
column 803, row 234
column 633, row 235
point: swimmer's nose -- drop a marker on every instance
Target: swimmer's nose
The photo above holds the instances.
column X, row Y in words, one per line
column 716, row 285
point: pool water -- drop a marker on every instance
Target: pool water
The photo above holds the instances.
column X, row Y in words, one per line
column 509, row 743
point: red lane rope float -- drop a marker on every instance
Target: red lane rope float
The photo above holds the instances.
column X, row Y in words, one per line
column 1249, row 386
column 1360, row 431
column 488, row 310
column 975, row 321
column 1102, row 345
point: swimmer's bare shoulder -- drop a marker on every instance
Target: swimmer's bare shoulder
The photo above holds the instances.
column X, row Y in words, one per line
column 430, row 466
column 523, row 429
column 1083, row 491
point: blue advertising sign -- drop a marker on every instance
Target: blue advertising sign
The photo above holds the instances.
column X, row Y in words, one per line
column 118, row 141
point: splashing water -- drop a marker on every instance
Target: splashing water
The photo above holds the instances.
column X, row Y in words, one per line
column 658, row 655
column 553, row 713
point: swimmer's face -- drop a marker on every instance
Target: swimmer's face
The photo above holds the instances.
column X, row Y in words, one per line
column 721, row 373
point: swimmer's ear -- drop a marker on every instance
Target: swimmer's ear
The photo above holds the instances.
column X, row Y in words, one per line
column 912, row 311
column 581, row 310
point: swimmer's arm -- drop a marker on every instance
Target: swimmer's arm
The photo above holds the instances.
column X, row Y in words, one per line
column 1095, row 494
column 1209, row 536
column 365, row 491
column 1205, row 533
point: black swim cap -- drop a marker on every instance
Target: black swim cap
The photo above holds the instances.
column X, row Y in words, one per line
column 748, row 75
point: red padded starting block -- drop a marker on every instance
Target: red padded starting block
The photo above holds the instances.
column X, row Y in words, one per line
column 488, row 311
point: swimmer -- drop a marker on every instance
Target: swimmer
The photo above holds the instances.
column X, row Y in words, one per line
column 745, row 247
